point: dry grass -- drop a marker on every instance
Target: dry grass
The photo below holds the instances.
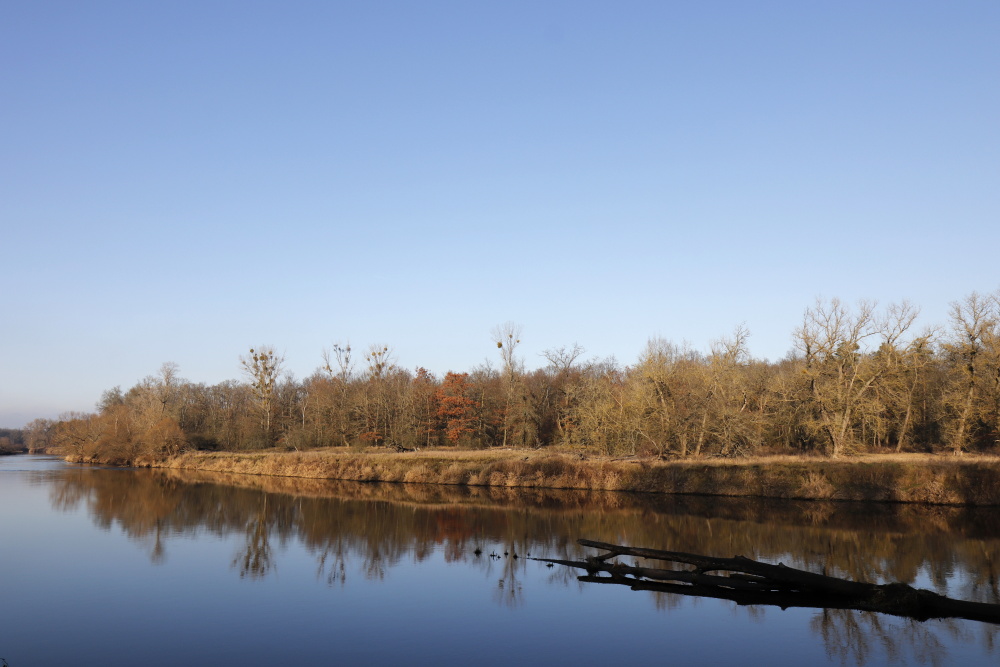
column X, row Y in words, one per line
column 893, row 478
column 816, row 485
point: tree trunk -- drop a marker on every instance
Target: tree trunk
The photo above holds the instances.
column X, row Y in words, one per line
column 750, row 582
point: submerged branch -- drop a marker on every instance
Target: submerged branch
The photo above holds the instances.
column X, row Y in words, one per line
column 749, row 582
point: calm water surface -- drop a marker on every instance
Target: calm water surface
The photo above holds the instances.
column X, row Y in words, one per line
column 122, row 567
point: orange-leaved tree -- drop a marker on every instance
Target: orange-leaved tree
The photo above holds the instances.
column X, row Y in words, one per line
column 456, row 408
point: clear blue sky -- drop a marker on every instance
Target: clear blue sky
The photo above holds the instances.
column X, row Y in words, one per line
column 182, row 180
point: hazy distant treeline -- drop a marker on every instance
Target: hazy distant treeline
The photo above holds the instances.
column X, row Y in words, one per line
column 859, row 379
column 11, row 441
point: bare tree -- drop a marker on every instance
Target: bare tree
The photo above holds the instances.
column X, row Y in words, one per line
column 263, row 368
column 507, row 337
column 839, row 368
column 728, row 418
column 380, row 400
column 561, row 359
column 974, row 344
column 380, row 360
column 565, row 382
column 335, row 395
column 337, row 363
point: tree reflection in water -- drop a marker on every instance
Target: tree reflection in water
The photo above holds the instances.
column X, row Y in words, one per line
column 852, row 636
column 370, row 529
column 332, row 566
column 509, row 591
column 256, row 560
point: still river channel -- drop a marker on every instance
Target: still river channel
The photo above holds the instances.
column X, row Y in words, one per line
column 136, row 567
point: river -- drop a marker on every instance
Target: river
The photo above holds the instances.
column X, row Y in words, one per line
column 125, row 567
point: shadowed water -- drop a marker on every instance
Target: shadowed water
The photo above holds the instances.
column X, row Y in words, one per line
column 123, row 567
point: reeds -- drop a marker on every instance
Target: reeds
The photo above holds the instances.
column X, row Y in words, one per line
column 900, row 478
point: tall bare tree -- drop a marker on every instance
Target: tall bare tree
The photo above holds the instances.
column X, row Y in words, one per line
column 263, row 368
column 507, row 337
column 381, row 399
column 729, row 418
column 564, row 383
column 974, row 344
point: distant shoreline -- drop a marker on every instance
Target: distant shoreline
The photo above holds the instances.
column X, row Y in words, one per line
column 903, row 478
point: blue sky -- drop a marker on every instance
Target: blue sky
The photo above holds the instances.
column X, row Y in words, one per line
column 182, row 181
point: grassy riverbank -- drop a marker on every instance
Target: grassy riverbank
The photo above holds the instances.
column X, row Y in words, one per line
column 892, row 478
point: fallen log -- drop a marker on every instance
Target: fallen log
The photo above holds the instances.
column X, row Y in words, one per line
column 749, row 582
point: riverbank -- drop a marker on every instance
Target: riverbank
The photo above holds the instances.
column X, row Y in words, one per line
column 909, row 478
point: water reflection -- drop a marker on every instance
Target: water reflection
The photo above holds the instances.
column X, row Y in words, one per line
column 370, row 529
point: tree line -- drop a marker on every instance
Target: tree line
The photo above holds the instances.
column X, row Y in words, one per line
column 12, row 441
column 859, row 379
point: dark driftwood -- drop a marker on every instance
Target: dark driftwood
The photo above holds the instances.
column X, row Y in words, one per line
column 749, row 582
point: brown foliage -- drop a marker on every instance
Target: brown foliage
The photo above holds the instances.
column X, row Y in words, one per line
column 456, row 408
